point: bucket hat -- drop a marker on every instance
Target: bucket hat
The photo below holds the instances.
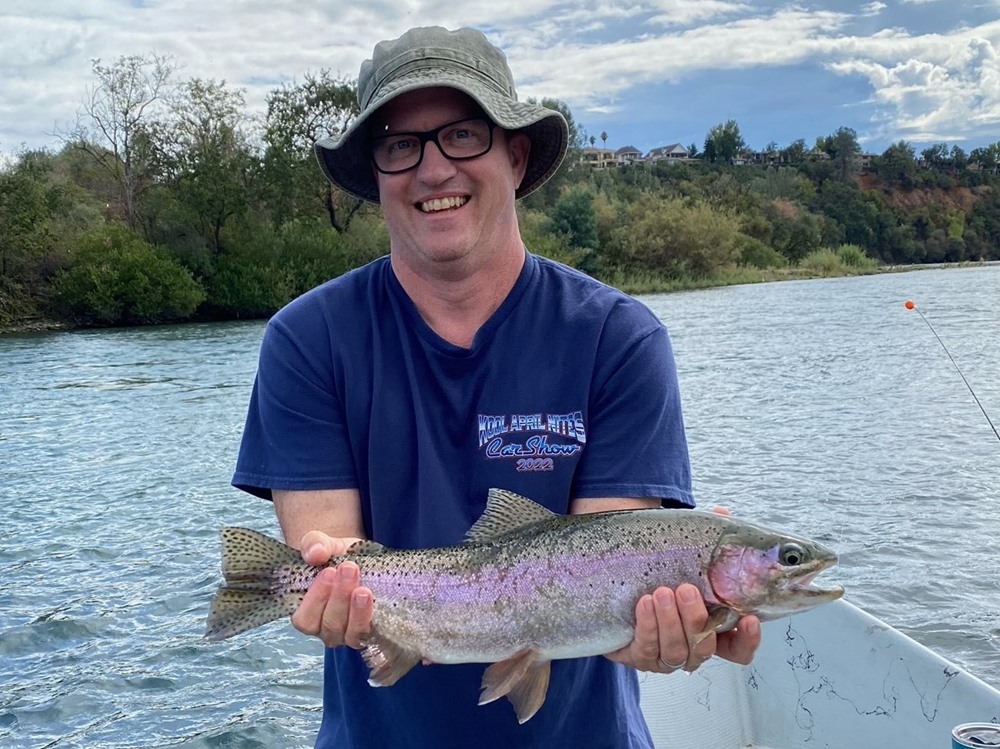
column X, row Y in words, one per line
column 429, row 57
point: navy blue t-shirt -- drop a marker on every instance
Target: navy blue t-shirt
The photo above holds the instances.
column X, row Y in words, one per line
column 569, row 390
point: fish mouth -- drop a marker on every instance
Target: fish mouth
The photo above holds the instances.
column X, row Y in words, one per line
column 801, row 584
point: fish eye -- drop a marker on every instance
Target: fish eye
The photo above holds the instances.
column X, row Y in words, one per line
column 792, row 555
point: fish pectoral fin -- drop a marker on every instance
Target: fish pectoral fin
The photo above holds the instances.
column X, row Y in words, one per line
column 388, row 661
column 523, row 678
column 720, row 619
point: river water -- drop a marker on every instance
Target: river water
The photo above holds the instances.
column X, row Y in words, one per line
column 823, row 407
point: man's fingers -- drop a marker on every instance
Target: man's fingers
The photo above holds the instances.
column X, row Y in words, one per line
column 335, row 615
column 317, row 547
column 694, row 616
column 673, row 642
column 646, row 642
column 740, row 645
column 308, row 617
column 359, row 618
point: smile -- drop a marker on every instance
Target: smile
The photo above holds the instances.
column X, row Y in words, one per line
column 443, row 204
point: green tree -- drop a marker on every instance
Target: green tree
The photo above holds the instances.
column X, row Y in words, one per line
column 571, row 167
column 209, row 159
column 796, row 152
column 987, row 157
column 796, row 232
column 898, row 164
column 724, row 143
column 23, row 212
column 844, row 151
column 853, row 210
column 117, row 116
column 958, row 158
column 298, row 115
column 937, row 156
column 573, row 215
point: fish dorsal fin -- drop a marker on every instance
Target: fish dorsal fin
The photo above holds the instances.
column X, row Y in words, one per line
column 366, row 547
column 505, row 512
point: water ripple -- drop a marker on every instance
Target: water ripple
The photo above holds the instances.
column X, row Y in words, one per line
column 822, row 407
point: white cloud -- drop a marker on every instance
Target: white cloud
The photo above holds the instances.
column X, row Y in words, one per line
column 589, row 75
column 594, row 54
column 686, row 12
column 935, row 87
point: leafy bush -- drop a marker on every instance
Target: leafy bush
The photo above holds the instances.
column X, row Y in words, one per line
column 573, row 216
column 311, row 253
column 822, row 262
column 241, row 288
column 539, row 238
column 671, row 237
column 846, row 260
column 855, row 257
column 117, row 278
column 759, row 255
column 365, row 240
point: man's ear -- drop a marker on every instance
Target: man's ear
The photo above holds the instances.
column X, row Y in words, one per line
column 519, row 149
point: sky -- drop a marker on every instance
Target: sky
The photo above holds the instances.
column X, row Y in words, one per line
column 649, row 73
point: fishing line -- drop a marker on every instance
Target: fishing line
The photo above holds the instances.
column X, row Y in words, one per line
column 910, row 305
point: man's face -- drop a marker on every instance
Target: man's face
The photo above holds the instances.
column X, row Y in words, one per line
column 443, row 211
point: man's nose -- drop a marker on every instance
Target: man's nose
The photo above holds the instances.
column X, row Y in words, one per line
column 434, row 164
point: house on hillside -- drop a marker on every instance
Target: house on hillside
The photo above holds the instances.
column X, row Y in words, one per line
column 673, row 152
column 598, row 158
column 628, row 155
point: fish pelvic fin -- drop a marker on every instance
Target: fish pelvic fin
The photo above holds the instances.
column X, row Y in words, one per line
column 505, row 512
column 388, row 661
column 523, row 678
column 249, row 597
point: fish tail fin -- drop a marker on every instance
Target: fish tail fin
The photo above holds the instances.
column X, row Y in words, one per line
column 234, row 611
column 250, row 598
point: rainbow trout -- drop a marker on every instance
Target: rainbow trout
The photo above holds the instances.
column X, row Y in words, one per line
column 529, row 586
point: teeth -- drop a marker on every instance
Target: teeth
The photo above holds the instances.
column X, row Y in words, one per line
column 442, row 204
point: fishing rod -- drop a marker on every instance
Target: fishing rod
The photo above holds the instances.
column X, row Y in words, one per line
column 911, row 305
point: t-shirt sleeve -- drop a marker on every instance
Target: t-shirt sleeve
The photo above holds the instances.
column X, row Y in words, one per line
column 296, row 435
column 636, row 446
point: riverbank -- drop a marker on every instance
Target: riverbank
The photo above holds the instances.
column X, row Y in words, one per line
column 637, row 284
column 33, row 325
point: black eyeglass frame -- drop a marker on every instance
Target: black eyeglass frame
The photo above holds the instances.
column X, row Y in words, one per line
column 432, row 135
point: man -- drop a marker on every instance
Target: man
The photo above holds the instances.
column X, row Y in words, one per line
column 388, row 401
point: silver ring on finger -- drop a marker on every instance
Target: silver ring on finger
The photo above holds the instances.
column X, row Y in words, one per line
column 671, row 666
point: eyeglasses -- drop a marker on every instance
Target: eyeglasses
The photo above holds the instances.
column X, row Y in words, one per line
column 460, row 140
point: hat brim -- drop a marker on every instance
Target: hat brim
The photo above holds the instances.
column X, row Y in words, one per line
column 346, row 161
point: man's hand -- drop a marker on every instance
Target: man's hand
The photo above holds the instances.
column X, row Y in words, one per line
column 335, row 608
column 667, row 622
